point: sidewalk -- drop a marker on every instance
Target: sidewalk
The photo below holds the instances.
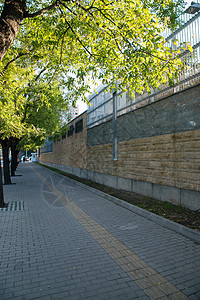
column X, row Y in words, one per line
column 61, row 241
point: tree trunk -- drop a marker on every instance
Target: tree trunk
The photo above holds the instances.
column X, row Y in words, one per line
column 2, row 203
column 14, row 153
column 13, row 163
column 16, row 158
column 10, row 22
column 5, row 147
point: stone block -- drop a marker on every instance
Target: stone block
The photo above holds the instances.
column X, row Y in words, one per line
column 84, row 173
column 142, row 188
column 76, row 171
column 66, row 169
column 98, row 177
column 190, row 199
column 166, row 193
column 90, row 175
column 109, row 180
column 124, row 183
column 69, row 169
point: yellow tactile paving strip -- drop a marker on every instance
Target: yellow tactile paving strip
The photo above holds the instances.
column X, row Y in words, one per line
column 150, row 281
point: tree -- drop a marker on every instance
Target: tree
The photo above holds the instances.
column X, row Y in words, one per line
column 10, row 126
column 103, row 38
column 30, row 107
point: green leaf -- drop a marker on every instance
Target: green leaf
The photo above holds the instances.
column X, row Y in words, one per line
column 190, row 48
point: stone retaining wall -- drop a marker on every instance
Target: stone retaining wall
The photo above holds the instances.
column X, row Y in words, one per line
column 158, row 151
column 70, row 151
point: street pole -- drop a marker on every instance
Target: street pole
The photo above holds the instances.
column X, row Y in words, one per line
column 114, row 126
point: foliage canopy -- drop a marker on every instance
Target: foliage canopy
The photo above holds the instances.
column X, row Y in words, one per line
column 61, row 46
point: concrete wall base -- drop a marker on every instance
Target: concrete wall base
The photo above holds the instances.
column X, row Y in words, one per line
column 187, row 198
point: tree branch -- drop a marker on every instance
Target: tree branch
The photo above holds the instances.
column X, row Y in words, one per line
column 78, row 39
column 61, row 53
column 42, row 71
column 10, row 62
column 61, row 2
column 150, row 54
column 40, row 12
column 62, row 43
column 108, row 17
column 29, row 85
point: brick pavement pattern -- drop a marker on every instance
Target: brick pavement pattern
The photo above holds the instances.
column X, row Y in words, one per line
column 64, row 242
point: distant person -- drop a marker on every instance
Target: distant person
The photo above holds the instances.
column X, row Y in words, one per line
column 24, row 159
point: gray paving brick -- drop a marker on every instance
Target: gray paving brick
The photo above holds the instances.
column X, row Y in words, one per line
column 2, row 291
column 94, row 287
column 194, row 297
column 9, row 296
column 13, row 289
column 116, row 294
column 89, row 293
column 22, row 292
column 7, row 285
column 60, row 296
column 191, row 291
column 33, row 296
column 46, row 246
column 22, row 282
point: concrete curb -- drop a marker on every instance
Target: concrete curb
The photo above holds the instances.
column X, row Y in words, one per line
column 178, row 228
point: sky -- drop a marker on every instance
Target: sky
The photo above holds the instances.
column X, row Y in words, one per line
column 82, row 106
